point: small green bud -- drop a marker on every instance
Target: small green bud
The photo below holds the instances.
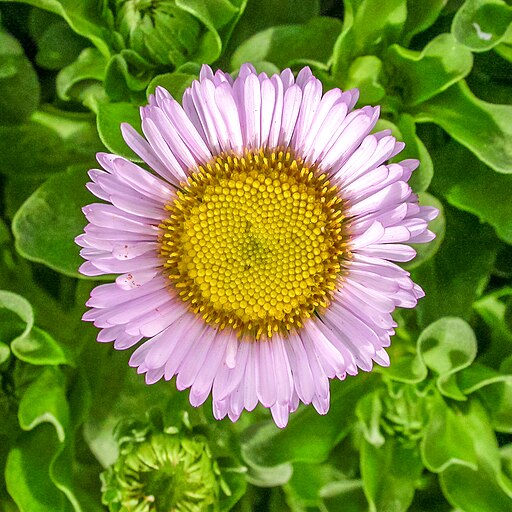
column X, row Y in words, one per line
column 160, row 32
column 162, row 470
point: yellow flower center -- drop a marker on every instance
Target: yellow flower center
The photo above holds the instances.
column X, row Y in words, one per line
column 255, row 243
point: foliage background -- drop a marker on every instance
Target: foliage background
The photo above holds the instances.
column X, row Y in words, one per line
column 432, row 432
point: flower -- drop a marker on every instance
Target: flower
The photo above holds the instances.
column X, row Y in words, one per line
column 152, row 33
column 258, row 264
column 166, row 468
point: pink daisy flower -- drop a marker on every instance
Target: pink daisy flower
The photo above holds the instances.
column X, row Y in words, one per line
column 256, row 261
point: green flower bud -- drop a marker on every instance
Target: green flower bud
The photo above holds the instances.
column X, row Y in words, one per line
column 406, row 412
column 163, row 470
column 158, row 31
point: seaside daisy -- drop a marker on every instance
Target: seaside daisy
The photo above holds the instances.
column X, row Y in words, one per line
column 256, row 259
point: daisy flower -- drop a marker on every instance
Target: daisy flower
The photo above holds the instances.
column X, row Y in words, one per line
column 256, row 259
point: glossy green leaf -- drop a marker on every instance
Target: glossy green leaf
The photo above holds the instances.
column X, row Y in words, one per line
column 44, row 401
column 482, row 24
column 476, row 190
column 288, row 44
column 344, row 495
column 33, row 345
column 365, row 74
column 447, row 440
column 458, row 272
column 175, row 83
column 369, row 412
column 88, row 67
column 48, row 144
column 365, row 33
column 127, row 75
column 484, row 128
column 492, row 309
column 504, row 50
column 305, row 486
column 27, row 472
column 390, row 474
column 422, row 75
column 485, row 489
column 495, row 391
column 265, row 476
column 83, row 17
column 308, row 437
column 219, row 16
column 420, row 16
column 49, row 220
column 446, row 347
column 261, row 14
column 58, row 46
column 110, row 117
column 19, row 85
column 237, row 484
column 5, row 352
column 406, row 368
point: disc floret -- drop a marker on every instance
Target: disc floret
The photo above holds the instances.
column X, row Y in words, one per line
column 255, row 242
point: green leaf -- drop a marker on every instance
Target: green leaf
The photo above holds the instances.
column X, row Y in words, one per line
column 458, row 272
column 48, row 144
column 44, row 401
column 495, row 391
column 237, row 484
column 89, row 66
column 406, row 368
column 485, row 488
column 476, row 190
column 19, row 85
column 365, row 74
column 390, row 474
column 262, row 14
column 422, row 75
column 493, row 309
column 447, row 439
column 175, row 83
column 365, row 33
column 33, row 345
column 27, row 472
column 308, row 437
column 286, row 45
column 265, row 476
column 58, row 46
column 420, row 16
column 446, row 347
column 110, row 117
column 47, row 223
column 127, row 75
column 369, row 412
column 306, row 484
column 482, row 24
column 215, row 15
column 83, row 17
column 48, row 479
column 484, row 128
column 5, row 353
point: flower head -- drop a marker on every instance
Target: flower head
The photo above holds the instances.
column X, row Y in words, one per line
column 162, row 469
column 257, row 262
column 153, row 33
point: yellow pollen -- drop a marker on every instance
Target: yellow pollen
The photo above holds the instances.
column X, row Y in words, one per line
column 255, row 243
